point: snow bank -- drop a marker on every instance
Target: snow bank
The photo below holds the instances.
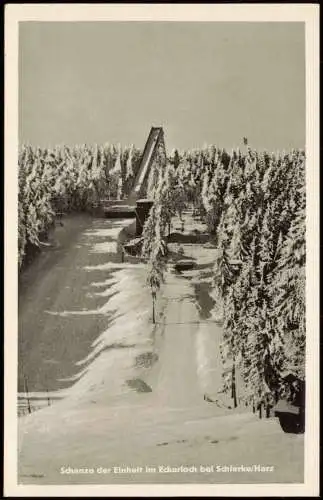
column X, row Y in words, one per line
column 114, row 265
column 112, row 355
column 106, row 247
column 108, row 232
column 202, row 254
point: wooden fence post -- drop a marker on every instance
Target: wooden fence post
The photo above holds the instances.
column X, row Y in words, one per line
column 27, row 394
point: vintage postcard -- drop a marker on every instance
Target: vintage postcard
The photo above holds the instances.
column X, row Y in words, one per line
column 161, row 250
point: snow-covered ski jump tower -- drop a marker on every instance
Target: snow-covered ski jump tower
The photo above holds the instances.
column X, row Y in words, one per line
column 138, row 204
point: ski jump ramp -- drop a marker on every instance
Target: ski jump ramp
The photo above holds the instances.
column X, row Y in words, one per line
column 155, row 136
column 121, row 208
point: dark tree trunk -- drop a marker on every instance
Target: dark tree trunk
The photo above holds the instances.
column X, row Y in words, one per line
column 154, row 319
column 234, row 387
column 260, row 410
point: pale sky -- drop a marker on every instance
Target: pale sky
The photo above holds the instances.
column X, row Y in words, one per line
column 204, row 82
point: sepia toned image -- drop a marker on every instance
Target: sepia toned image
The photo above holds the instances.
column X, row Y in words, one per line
column 162, row 257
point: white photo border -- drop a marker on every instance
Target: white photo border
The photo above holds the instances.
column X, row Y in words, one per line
column 307, row 13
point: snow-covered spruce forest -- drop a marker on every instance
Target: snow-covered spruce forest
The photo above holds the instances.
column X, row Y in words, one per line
column 254, row 206
column 63, row 180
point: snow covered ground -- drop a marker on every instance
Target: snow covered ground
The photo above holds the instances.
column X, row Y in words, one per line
column 138, row 397
column 81, row 315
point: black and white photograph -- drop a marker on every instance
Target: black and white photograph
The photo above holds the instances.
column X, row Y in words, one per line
column 162, row 203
